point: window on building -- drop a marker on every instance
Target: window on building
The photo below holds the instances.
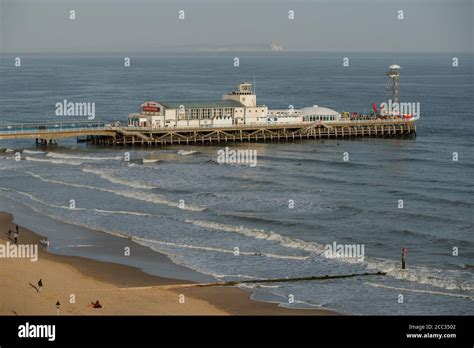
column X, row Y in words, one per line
column 218, row 112
column 228, row 112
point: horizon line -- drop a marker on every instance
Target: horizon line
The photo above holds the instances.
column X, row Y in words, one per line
column 116, row 52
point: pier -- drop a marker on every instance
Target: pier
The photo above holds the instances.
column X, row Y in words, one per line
column 109, row 135
column 257, row 133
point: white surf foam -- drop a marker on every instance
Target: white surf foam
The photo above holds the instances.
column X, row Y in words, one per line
column 75, row 246
column 207, row 248
column 233, row 276
column 186, row 152
column 107, row 175
column 43, row 160
column 150, row 160
column 423, row 275
column 153, row 198
column 261, row 234
column 421, row 291
column 258, row 286
column 87, row 158
column 32, row 152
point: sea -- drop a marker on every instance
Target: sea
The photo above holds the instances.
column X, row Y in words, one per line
column 275, row 219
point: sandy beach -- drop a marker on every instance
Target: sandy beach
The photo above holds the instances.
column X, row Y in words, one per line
column 76, row 282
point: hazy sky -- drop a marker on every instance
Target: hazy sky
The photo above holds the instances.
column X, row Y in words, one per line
column 230, row 25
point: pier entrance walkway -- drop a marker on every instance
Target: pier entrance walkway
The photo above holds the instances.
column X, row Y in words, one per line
column 52, row 131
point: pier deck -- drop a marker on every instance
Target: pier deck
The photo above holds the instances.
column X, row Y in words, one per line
column 257, row 133
column 99, row 133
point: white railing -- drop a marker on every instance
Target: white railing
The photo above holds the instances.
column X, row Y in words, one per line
column 61, row 127
column 64, row 130
column 266, row 124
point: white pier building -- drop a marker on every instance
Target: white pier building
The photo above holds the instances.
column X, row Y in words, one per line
column 236, row 108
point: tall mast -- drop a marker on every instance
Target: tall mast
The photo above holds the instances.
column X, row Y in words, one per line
column 394, row 74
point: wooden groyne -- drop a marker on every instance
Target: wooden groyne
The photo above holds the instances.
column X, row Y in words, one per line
column 236, row 283
column 257, row 133
column 277, row 280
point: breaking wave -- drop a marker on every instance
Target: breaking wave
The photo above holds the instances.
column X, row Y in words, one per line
column 186, row 152
column 420, row 291
column 153, row 198
column 213, row 249
column 35, row 159
column 261, row 234
column 150, row 160
column 430, row 276
column 32, row 152
column 86, row 158
column 147, row 197
column 116, row 180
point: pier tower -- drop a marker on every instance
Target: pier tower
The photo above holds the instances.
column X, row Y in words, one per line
column 243, row 94
column 394, row 74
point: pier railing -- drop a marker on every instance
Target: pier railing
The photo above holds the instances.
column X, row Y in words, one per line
column 49, row 127
column 268, row 125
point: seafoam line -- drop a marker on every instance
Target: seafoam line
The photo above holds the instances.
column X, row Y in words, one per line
column 140, row 196
column 115, row 180
column 227, row 251
column 33, row 198
column 421, row 291
column 86, row 158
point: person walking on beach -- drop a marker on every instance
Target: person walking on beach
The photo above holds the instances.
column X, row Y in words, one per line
column 9, row 233
column 15, row 237
column 40, row 285
column 17, row 231
column 45, row 243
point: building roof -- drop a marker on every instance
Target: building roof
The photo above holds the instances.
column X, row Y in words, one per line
column 319, row 111
column 201, row 104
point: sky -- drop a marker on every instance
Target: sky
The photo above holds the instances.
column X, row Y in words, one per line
column 44, row 26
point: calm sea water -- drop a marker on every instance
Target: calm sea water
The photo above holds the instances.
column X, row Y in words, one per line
column 229, row 206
